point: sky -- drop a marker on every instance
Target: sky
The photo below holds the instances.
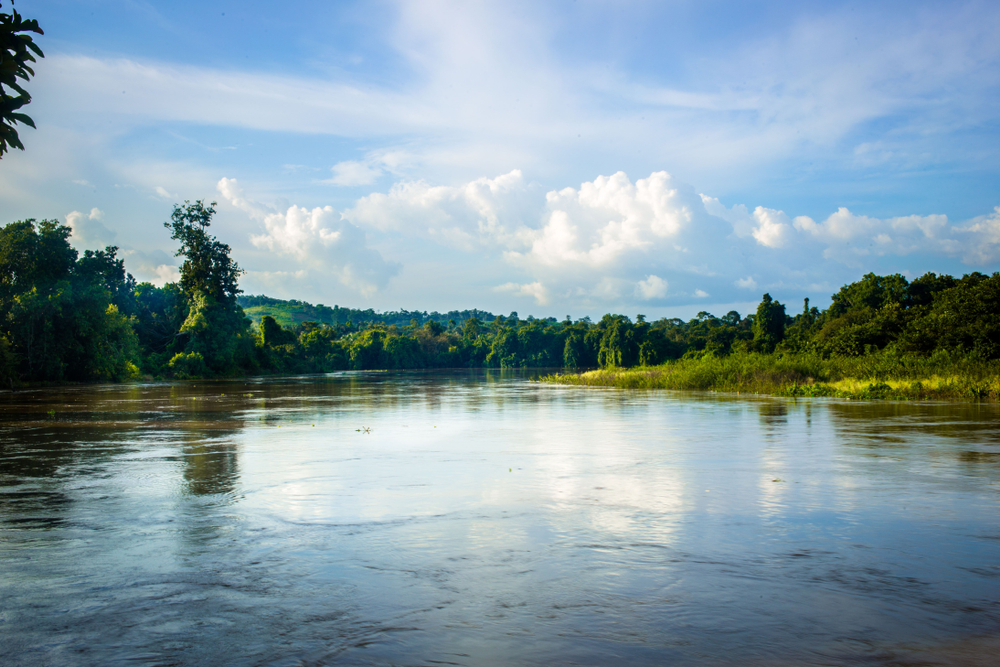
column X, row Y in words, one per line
column 550, row 158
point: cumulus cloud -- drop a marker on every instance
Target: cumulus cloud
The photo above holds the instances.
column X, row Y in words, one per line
column 653, row 287
column 984, row 245
column 606, row 240
column 769, row 227
column 849, row 238
column 535, row 290
column 165, row 273
column 593, row 226
column 88, row 230
column 772, row 229
column 318, row 238
column 156, row 266
column 605, row 218
column 610, row 241
column 614, row 241
column 485, row 211
column 853, row 240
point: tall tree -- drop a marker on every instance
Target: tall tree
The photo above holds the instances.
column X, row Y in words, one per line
column 769, row 325
column 208, row 269
column 215, row 332
column 17, row 49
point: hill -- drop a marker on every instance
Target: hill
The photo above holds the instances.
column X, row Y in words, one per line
column 292, row 313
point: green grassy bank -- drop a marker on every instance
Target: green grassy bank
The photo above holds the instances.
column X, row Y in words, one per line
column 876, row 376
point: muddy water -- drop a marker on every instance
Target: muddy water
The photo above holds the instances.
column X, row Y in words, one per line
column 483, row 519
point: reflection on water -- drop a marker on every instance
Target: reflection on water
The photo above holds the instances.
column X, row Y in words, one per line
column 480, row 519
column 209, row 468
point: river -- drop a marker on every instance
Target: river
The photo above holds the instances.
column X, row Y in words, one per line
column 482, row 518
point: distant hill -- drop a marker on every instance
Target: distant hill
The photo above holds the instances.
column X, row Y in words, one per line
column 293, row 313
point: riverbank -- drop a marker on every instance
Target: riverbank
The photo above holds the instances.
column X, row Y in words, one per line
column 879, row 376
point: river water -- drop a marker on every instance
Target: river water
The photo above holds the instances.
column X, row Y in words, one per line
column 484, row 519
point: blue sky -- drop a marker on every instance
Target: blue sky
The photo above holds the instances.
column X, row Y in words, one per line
column 550, row 158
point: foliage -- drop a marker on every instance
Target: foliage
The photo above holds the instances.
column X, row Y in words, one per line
column 208, row 269
column 214, row 325
column 292, row 313
column 17, row 49
column 769, row 325
column 878, row 376
column 63, row 317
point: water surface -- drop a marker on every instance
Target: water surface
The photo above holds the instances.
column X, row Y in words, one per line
column 483, row 519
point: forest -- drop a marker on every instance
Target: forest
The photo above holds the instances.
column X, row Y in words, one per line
column 68, row 317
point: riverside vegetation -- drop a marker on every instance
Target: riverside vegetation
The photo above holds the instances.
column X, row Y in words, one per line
column 66, row 317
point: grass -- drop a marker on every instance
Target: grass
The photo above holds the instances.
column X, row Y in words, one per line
column 876, row 376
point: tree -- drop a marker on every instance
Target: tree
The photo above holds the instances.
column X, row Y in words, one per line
column 103, row 267
column 208, row 269
column 769, row 325
column 59, row 316
column 870, row 294
column 619, row 347
column 16, row 51
column 215, row 326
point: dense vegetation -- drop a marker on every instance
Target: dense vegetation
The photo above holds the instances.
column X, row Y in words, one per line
column 65, row 317
column 293, row 313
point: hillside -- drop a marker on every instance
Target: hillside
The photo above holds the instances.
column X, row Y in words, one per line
column 292, row 313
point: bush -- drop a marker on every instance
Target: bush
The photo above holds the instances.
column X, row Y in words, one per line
column 185, row 365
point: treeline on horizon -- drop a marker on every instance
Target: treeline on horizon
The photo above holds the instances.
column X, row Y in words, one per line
column 292, row 313
column 72, row 317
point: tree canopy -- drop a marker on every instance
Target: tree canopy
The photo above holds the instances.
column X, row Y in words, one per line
column 208, row 269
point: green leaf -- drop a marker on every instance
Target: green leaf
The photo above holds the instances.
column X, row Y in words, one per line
column 23, row 118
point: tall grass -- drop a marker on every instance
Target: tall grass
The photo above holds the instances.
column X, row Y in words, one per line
column 879, row 375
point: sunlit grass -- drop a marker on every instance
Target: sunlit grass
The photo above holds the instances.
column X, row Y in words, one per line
column 874, row 376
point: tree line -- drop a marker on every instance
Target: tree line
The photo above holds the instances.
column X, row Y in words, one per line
column 292, row 312
column 71, row 317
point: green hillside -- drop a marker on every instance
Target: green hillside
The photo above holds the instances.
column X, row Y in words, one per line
column 292, row 313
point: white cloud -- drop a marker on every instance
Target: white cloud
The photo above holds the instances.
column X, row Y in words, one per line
column 610, row 239
column 769, row 227
column 653, row 287
column 599, row 241
column 737, row 216
column 482, row 212
column 607, row 217
column 849, row 238
column 165, row 273
column 163, row 193
column 854, row 239
column 155, row 267
column 88, row 230
column 352, row 173
column 773, row 229
column 984, row 245
column 318, row 238
column 535, row 290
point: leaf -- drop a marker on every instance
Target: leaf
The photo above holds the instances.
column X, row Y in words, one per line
column 23, row 118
